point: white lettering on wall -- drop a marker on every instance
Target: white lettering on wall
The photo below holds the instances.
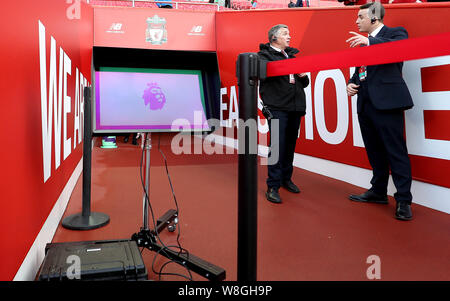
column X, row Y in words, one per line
column 223, row 106
column 52, row 105
column 76, row 113
column 85, row 83
column 340, row 133
column 46, row 123
column 234, row 109
column 415, row 123
column 263, row 126
column 67, row 105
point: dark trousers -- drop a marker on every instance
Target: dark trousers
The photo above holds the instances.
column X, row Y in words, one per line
column 289, row 124
column 382, row 133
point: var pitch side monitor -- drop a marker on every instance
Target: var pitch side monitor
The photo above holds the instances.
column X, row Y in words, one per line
column 149, row 100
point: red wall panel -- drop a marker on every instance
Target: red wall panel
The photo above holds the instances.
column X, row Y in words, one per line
column 26, row 199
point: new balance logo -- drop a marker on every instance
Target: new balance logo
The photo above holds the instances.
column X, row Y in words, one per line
column 196, row 28
column 196, row 31
column 115, row 28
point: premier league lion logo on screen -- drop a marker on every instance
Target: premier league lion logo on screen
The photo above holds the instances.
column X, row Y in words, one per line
column 154, row 96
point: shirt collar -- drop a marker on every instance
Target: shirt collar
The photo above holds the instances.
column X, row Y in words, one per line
column 280, row 50
column 277, row 49
column 376, row 31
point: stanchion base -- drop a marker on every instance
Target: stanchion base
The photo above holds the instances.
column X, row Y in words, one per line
column 80, row 222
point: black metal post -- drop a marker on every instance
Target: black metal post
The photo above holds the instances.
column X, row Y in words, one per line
column 87, row 153
column 247, row 73
column 87, row 220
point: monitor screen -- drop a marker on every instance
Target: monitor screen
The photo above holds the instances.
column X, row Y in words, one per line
column 147, row 100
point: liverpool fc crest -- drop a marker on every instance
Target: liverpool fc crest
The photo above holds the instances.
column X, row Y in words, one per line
column 156, row 32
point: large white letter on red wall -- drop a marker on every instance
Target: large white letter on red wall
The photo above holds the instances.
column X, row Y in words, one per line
column 414, row 120
column 342, row 106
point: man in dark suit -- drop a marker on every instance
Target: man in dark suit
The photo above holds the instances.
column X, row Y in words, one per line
column 382, row 98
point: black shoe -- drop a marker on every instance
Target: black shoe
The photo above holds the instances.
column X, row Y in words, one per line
column 403, row 211
column 370, row 197
column 291, row 186
column 273, row 196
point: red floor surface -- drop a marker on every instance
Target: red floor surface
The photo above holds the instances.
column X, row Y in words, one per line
column 315, row 235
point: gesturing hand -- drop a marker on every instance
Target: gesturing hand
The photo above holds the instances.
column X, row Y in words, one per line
column 357, row 40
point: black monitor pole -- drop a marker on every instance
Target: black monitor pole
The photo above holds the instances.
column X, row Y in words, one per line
column 86, row 220
column 247, row 69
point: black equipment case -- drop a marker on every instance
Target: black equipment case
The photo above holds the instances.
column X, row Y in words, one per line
column 98, row 260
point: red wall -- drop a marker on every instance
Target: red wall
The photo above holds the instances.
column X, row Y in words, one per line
column 28, row 196
column 325, row 30
column 26, row 199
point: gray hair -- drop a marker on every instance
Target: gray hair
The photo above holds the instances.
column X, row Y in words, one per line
column 274, row 31
column 375, row 10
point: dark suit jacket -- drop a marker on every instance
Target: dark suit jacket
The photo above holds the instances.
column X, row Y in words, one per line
column 276, row 92
column 387, row 89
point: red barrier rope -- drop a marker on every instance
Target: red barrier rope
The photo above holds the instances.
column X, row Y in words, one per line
column 391, row 52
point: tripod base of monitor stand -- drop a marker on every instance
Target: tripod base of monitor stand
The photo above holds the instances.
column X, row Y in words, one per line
column 147, row 238
column 79, row 222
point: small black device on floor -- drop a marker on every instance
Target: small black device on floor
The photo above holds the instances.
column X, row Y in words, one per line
column 93, row 260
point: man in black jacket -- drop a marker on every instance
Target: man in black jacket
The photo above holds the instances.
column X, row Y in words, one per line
column 285, row 98
column 382, row 98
